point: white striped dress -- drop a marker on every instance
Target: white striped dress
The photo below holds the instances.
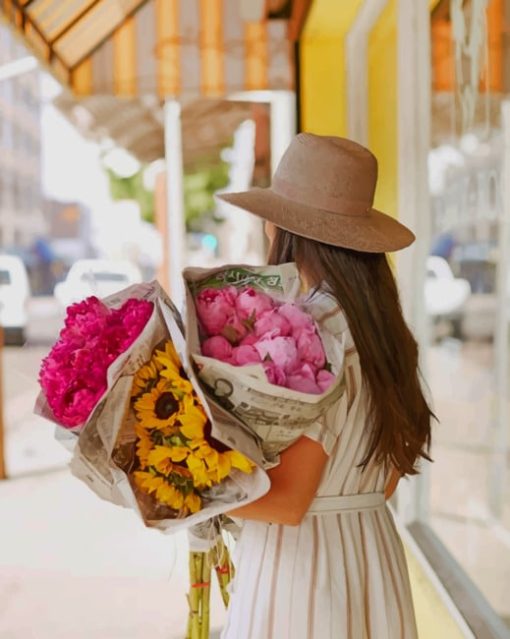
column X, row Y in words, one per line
column 338, row 575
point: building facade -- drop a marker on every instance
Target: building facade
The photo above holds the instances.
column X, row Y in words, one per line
column 21, row 216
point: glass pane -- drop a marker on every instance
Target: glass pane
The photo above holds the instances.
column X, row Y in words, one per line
column 468, row 305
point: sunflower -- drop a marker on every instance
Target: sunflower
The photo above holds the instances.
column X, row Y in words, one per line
column 198, row 469
column 144, row 445
column 161, row 407
column 193, row 419
column 161, row 489
column 146, row 377
column 193, row 502
column 218, row 465
column 171, row 369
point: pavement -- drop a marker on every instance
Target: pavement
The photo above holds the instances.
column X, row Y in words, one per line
column 75, row 567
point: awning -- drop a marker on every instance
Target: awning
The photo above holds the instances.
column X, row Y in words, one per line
column 136, row 124
column 169, row 48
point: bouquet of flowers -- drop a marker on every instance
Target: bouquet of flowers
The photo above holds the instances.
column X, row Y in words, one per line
column 260, row 348
column 141, row 432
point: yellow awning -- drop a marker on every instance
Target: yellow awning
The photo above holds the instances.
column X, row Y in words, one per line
column 170, row 48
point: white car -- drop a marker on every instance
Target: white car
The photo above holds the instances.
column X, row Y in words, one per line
column 96, row 277
column 14, row 297
column 445, row 294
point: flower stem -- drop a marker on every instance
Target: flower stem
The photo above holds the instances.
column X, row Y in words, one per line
column 195, row 574
column 206, row 597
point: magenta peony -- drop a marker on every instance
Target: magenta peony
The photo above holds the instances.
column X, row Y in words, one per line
column 251, row 303
column 214, row 307
column 217, row 347
column 73, row 376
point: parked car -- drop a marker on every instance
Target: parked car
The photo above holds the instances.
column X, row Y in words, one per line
column 14, row 297
column 96, row 277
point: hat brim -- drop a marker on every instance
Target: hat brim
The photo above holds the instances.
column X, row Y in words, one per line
column 374, row 232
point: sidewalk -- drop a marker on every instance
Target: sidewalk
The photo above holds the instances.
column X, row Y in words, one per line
column 74, row 567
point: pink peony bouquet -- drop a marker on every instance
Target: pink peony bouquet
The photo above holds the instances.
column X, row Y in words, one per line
column 244, row 326
column 73, row 376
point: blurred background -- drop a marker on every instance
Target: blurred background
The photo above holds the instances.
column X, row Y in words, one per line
column 119, row 121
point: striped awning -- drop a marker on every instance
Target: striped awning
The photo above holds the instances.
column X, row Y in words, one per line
column 169, row 48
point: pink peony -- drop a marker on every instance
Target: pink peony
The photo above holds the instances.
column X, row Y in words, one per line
column 281, row 351
column 309, row 346
column 297, row 318
column 214, row 307
column 272, row 322
column 303, row 380
column 275, row 375
column 243, row 355
column 325, row 379
column 234, row 330
column 217, row 347
column 249, row 340
column 251, row 303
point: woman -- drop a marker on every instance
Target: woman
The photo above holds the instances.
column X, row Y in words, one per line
column 319, row 556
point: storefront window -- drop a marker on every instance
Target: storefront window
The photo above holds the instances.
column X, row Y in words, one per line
column 467, row 295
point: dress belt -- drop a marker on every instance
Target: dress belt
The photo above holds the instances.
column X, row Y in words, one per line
column 343, row 503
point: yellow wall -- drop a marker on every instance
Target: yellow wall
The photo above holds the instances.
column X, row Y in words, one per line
column 324, row 89
column 323, row 78
column 382, row 107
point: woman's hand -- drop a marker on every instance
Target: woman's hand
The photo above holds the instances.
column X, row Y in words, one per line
column 294, row 484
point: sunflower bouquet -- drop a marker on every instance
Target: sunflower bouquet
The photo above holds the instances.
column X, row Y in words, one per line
column 177, row 459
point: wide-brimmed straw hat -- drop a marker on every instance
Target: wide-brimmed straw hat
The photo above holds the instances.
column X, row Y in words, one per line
column 323, row 189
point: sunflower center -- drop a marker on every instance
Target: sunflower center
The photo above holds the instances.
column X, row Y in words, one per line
column 166, row 405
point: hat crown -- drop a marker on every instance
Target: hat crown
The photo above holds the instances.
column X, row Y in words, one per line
column 334, row 174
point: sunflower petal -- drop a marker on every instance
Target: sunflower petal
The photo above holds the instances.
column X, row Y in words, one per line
column 238, row 460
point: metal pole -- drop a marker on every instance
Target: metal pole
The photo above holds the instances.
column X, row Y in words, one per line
column 3, row 472
column 176, row 226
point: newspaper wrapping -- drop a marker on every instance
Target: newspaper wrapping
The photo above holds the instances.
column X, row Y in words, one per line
column 278, row 416
column 104, row 448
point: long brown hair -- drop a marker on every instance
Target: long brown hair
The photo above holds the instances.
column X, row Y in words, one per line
column 365, row 288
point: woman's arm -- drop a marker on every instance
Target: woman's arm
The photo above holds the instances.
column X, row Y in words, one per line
column 294, row 484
